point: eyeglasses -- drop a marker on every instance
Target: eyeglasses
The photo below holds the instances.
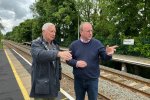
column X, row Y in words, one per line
column 89, row 31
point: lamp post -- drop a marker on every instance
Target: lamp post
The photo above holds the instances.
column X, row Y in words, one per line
column 32, row 36
column 78, row 25
column 78, row 20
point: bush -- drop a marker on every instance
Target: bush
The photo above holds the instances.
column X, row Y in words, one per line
column 0, row 45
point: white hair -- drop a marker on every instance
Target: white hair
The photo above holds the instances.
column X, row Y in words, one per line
column 45, row 26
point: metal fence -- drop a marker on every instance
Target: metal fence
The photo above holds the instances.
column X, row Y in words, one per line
column 141, row 47
column 138, row 49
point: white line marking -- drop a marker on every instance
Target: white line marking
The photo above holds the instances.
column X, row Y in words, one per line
column 23, row 57
column 61, row 90
column 66, row 94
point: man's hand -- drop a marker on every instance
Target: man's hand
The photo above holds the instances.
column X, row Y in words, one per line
column 110, row 50
column 64, row 55
column 81, row 64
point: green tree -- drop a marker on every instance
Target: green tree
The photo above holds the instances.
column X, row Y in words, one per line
column 1, row 28
column 39, row 14
column 24, row 31
column 36, row 28
column 85, row 9
column 7, row 36
column 131, row 16
column 61, row 13
column 104, row 25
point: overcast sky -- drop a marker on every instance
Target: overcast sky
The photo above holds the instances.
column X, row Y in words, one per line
column 13, row 12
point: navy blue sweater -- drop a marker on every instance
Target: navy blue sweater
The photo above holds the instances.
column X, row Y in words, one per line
column 88, row 52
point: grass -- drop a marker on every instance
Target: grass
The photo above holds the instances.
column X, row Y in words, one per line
column 0, row 45
column 138, row 82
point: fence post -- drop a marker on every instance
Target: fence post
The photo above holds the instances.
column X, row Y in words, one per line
column 144, row 44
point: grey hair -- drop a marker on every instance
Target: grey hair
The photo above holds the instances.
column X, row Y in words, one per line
column 81, row 26
column 45, row 26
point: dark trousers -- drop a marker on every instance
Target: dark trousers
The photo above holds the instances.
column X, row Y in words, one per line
column 81, row 86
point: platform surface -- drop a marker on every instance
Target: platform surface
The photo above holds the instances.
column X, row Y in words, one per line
column 15, row 80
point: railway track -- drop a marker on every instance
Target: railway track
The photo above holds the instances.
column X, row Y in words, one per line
column 135, row 85
column 131, row 83
column 67, row 82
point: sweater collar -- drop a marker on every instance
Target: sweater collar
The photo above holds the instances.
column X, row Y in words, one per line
column 84, row 41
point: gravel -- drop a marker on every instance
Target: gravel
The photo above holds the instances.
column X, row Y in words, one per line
column 114, row 91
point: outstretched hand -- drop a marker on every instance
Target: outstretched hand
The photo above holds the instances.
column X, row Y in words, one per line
column 110, row 50
column 65, row 55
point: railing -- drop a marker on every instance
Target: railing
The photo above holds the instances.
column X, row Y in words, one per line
column 141, row 47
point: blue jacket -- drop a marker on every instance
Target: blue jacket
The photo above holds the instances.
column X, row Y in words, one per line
column 45, row 75
column 88, row 52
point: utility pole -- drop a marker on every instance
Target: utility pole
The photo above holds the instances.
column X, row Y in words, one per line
column 78, row 25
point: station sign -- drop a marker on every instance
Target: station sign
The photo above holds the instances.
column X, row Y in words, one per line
column 62, row 39
column 128, row 41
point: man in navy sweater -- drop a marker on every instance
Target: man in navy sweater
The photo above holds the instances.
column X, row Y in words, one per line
column 85, row 62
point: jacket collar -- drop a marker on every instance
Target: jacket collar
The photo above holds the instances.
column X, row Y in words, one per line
column 42, row 39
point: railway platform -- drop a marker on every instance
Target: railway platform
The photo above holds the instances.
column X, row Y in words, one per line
column 125, row 59
column 15, row 80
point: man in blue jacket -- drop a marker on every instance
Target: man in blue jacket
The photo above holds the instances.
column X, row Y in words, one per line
column 46, row 65
column 85, row 62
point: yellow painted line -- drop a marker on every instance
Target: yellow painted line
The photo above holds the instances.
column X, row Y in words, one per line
column 22, row 88
column 64, row 99
column 66, row 94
